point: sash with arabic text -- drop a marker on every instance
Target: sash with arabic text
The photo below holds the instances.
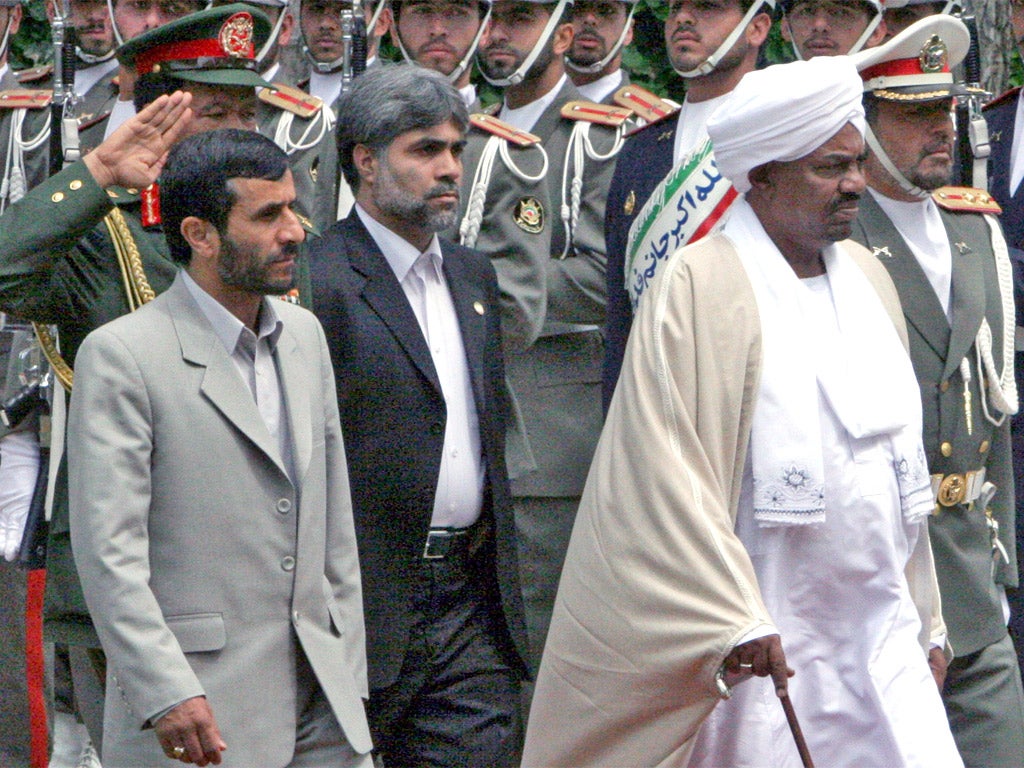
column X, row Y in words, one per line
column 682, row 209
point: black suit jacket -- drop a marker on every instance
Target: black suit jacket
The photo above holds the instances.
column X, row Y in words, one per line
column 393, row 419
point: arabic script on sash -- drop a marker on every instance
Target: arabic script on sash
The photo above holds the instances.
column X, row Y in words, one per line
column 683, row 208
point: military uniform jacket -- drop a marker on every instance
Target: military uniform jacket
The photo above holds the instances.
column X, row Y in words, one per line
column 959, row 534
column 553, row 364
column 1001, row 116
column 303, row 142
column 644, row 161
column 34, row 125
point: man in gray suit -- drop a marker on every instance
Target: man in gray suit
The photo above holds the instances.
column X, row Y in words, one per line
column 947, row 256
column 212, row 522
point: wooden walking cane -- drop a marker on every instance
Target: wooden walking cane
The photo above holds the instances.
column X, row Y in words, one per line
column 794, row 728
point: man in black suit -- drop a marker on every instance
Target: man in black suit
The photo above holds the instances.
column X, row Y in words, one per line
column 413, row 329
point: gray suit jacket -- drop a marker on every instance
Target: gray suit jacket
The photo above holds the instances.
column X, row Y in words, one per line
column 206, row 570
column 959, row 535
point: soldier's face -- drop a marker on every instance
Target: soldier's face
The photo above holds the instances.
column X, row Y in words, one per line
column 597, row 25
column 93, row 28
column 811, row 202
column 694, row 29
column 437, row 35
column 514, row 30
column 918, row 138
column 133, row 17
column 261, row 238
column 829, row 27
column 220, row 106
column 321, row 27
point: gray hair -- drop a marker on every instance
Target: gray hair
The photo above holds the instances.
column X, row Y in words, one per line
column 389, row 100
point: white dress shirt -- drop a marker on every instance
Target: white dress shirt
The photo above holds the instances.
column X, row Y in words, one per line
column 459, row 497
column 600, row 89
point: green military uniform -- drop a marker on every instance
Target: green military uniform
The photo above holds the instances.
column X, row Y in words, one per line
column 552, row 287
column 24, row 127
column 302, row 126
column 983, row 695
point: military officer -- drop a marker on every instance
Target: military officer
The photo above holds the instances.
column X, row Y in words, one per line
column 86, row 246
column 831, row 27
column 601, row 29
column 534, row 186
column 298, row 122
column 946, row 253
column 711, row 47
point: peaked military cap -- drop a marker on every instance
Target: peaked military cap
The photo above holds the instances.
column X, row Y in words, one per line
column 916, row 65
column 216, row 46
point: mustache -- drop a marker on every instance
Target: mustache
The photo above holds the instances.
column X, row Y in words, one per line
column 442, row 189
column 288, row 251
column 845, row 200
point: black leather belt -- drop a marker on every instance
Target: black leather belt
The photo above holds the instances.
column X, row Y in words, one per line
column 446, row 542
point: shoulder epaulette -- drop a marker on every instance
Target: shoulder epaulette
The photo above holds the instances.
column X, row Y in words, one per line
column 491, row 109
column 291, row 99
column 25, row 98
column 35, row 74
column 503, row 130
column 602, row 114
column 91, row 120
column 1010, row 95
column 644, row 103
column 966, row 200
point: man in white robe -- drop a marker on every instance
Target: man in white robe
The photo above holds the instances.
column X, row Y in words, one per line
column 696, row 564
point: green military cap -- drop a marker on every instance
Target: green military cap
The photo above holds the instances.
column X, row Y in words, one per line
column 216, row 46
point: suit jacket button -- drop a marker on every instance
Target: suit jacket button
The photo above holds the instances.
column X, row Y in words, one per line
column 944, row 386
column 946, row 449
column 288, row 563
column 284, row 506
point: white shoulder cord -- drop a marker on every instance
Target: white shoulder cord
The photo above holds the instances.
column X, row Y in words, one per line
column 1002, row 386
column 323, row 125
column 14, row 184
column 469, row 227
column 579, row 142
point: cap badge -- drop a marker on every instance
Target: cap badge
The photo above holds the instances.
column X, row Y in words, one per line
column 529, row 215
column 236, row 36
column 934, row 56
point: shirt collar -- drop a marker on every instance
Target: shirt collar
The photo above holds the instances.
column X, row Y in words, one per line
column 399, row 253
column 229, row 329
column 525, row 117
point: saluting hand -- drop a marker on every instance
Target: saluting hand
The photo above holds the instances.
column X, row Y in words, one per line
column 134, row 154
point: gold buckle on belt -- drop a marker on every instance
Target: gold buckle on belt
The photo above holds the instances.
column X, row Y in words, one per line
column 952, row 490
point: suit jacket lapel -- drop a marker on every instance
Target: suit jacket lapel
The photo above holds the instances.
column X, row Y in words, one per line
column 921, row 306
column 470, row 303
column 968, row 296
column 221, row 384
column 294, row 373
column 385, row 296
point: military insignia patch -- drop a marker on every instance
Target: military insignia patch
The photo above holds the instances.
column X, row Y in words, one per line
column 630, row 203
column 236, row 36
column 529, row 215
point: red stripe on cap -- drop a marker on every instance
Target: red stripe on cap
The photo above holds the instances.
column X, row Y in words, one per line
column 896, row 68
column 184, row 50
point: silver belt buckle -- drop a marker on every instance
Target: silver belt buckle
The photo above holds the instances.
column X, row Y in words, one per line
column 436, row 537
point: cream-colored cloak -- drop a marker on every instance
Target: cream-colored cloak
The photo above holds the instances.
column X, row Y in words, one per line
column 656, row 588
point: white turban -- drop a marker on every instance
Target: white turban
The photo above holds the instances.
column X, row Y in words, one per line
column 783, row 113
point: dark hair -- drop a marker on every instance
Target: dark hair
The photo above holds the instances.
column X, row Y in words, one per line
column 387, row 101
column 195, row 179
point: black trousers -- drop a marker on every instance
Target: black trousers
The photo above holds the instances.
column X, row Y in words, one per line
column 456, row 700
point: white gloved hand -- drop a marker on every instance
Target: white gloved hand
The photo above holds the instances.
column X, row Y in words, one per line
column 19, row 466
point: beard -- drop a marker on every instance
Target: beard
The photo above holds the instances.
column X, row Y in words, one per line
column 498, row 71
column 391, row 198
column 243, row 268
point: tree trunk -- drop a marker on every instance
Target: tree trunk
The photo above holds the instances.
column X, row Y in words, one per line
column 996, row 42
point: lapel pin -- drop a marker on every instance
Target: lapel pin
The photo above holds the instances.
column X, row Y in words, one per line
column 478, row 307
column 996, row 135
column 630, row 203
column 963, row 247
column 881, row 250
column 666, row 135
